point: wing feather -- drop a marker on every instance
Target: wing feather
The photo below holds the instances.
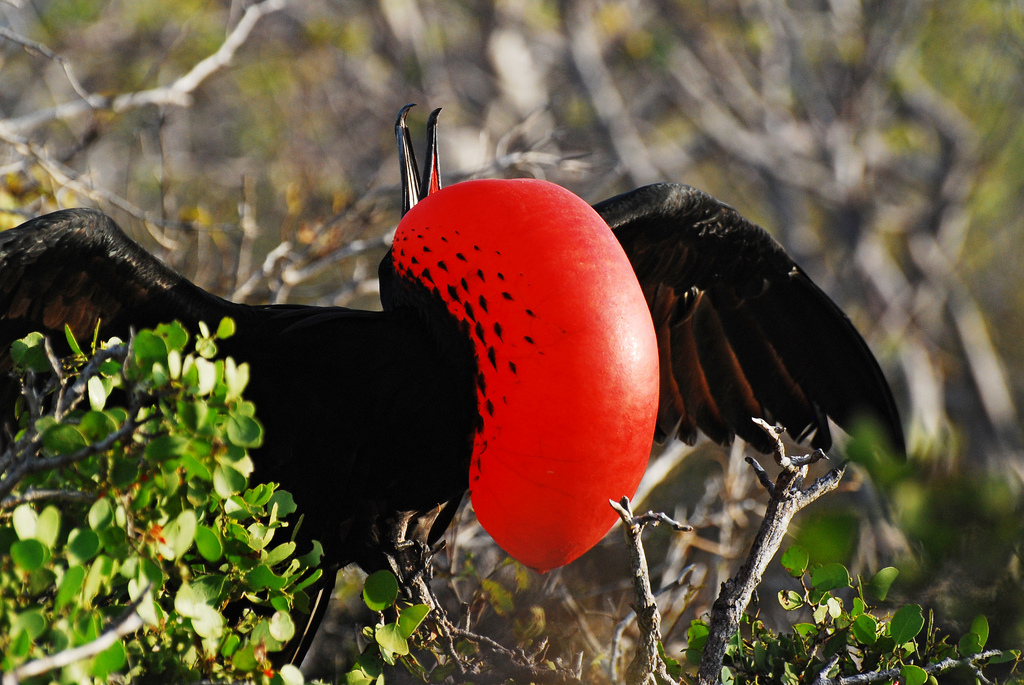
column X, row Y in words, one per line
column 753, row 336
column 76, row 267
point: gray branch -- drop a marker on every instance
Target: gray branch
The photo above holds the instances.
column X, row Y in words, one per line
column 893, row 673
column 787, row 498
column 647, row 666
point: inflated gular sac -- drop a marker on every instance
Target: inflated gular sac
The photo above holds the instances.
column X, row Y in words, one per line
column 566, row 353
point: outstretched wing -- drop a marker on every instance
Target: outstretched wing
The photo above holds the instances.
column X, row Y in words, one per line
column 742, row 331
column 76, row 267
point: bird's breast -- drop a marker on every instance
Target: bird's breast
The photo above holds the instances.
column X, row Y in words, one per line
column 567, row 363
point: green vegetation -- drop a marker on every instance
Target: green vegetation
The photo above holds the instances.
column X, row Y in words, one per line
column 847, row 634
column 136, row 503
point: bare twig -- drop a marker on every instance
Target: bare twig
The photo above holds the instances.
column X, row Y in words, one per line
column 787, row 498
column 21, row 458
column 647, row 666
column 892, row 674
column 46, row 52
column 35, row 495
column 178, row 93
column 25, row 464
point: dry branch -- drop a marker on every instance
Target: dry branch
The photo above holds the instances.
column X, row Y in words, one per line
column 788, row 496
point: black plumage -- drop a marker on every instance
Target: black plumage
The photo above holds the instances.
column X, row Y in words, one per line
column 369, row 416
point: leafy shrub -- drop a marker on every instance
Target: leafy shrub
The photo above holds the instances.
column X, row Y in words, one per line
column 846, row 635
column 134, row 504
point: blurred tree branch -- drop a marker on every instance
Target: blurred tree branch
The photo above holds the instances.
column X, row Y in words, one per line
column 178, row 93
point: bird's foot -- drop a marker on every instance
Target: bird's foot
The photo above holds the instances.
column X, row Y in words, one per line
column 410, row 561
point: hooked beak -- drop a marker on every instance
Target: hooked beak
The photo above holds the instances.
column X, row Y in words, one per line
column 413, row 189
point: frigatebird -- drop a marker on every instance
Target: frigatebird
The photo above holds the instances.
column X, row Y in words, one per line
column 529, row 350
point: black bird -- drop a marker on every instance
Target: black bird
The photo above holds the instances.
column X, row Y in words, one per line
column 511, row 357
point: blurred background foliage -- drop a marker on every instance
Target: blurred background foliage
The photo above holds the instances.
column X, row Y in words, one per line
column 881, row 143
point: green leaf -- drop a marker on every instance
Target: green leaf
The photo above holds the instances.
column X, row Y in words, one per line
column 48, row 526
column 208, row 622
column 70, row 586
column 29, row 353
column 312, row 558
column 411, row 618
column 28, row 555
column 979, row 626
column 279, row 553
column 914, row 675
column 290, row 675
column 282, row 627
column 790, row 599
column 969, row 644
column 358, row 677
column 209, row 544
column 100, row 572
column 112, row 659
column 83, row 545
column 261, row 633
column 380, row 590
column 795, row 560
column 244, row 431
column 285, row 503
column 830, row 577
column 1007, row 655
column 805, row 629
column 389, row 637
column 149, row 347
column 97, row 393
column 31, row 621
column 865, row 629
column 882, row 581
column 227, row 481
column 262, row 577
column 72, row 343
column 858, row 607
column 236, row 376
column 25, row 519
column 101, row 515
column 63, row 438
column 697, row 635
column 243, row 659
column 675, row 670
column 174, row 334
column 180, row 537
column 124, row 472
column 196, row 601
column 207, row 375
column 906, row 624
column 226, row 328
column 96, row 425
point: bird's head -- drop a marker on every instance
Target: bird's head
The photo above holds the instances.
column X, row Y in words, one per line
column 565, row 350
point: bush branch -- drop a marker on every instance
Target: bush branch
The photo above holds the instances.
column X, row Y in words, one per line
column 647, row 666
column 128, row 623
column 892, row 674
column 178, row 93
column 787, row 498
